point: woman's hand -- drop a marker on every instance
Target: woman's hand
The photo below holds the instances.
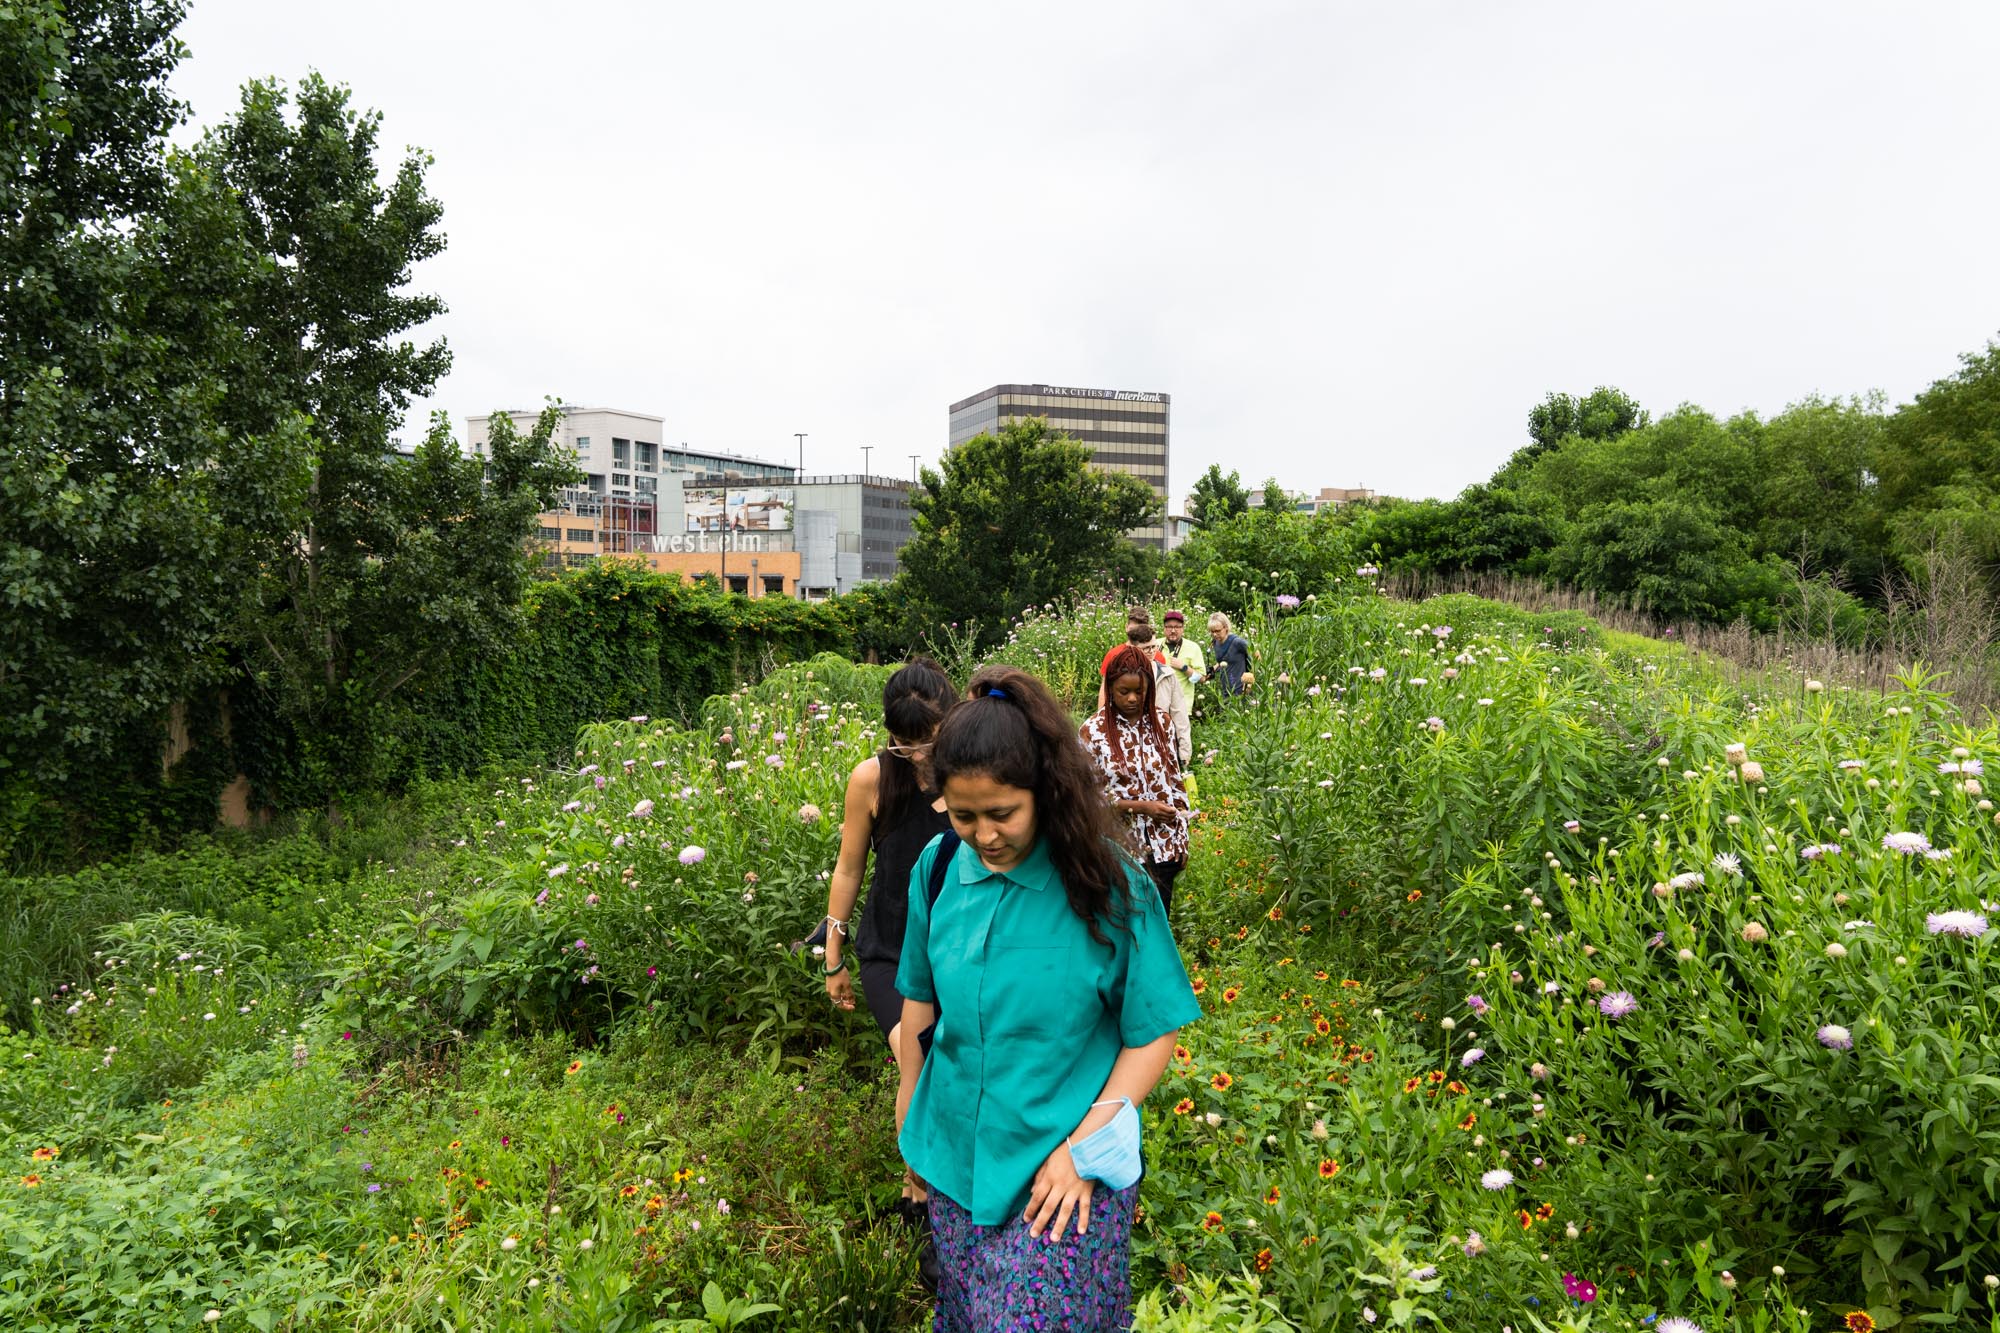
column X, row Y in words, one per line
column 840, row 986
column 1058, row 1190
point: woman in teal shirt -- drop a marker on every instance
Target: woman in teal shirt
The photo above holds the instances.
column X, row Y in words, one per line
column 1048, row 968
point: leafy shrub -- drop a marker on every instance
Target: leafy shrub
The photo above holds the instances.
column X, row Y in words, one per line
column 1797, row 1062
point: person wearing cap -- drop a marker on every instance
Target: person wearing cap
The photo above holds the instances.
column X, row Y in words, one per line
column 1181, row 653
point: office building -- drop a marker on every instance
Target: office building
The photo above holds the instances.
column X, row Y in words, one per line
column 622, row 455
column 1126, row 430
column 756, row 526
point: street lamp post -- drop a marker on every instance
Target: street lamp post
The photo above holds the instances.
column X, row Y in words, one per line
column 866, row 450
column 801, row 436
column 913, row 469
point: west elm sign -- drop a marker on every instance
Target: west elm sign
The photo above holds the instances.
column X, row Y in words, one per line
column 707, row 543
column 1118, row 395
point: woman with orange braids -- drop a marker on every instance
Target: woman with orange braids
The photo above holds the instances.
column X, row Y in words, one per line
column 1132, row 743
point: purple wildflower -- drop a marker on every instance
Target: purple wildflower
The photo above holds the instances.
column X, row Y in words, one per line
column 1968, row 925
column 1618, row 1004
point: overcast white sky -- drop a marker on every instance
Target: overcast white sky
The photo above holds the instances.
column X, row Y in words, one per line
column 1356, row 242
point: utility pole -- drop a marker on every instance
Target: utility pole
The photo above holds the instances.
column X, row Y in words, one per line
column 866, row 450
column 801, row 435
column 913, row 469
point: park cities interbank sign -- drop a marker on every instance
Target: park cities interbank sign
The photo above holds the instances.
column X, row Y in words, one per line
column 1118, row 395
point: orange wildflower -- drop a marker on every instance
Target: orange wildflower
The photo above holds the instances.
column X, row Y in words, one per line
column 1184, row 1106
column 1527, row 1218
column 30, row 1181
column 1229, row 995
column 1328, row 1169
column 1412, row 1083
column 46, row 1154
column 1321, row 1026
column 1212, row 1222
column 1272, row 1195
column 1545, row 1212
column 1263, row 1261
column 1222, row 1083
column 574, row 1065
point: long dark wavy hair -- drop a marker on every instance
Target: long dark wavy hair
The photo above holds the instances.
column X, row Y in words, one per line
column 1131, row 660
column 1012, row 730
column 914, row 701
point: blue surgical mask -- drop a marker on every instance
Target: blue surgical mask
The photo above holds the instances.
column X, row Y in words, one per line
column 1112, row 1153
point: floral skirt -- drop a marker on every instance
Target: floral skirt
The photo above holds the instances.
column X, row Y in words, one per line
column 998, row 1279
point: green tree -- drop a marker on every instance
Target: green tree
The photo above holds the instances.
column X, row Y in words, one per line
column 118, row 262
column 1263, row 552
column 1812, row 491
column 1602, row 414
column 1937, row 465
column 1673, row 557
column 1485, row 528
column 1217, row 498
column 426, row 580
column 377, row 571
column 330, row 309
column 1016, row 519
column 1277, row 499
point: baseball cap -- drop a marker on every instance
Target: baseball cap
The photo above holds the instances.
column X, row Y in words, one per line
column 1173, row 618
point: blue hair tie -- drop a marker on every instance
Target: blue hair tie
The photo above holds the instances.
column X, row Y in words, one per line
column 996, row 694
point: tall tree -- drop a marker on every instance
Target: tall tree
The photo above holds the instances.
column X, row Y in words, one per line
column 1217, row 498
column 1014, row 520
column 119, row 261
column 331, row 310
column 378, row 571
column 430, row 576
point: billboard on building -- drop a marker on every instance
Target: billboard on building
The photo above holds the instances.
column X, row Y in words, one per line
column 760, row 508
column 706, row 508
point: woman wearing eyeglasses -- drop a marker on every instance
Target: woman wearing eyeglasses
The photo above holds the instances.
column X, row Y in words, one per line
column 894, row 810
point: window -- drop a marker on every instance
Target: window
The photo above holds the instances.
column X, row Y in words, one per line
column 739, row 583
column 577, row 559
column 550, row 534
column 774, row 584
column 583, row 444
column 621, row 451
column 582, row 535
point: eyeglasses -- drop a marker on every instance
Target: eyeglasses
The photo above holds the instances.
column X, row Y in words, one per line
column 909, row 751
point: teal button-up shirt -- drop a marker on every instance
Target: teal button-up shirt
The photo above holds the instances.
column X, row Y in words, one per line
column 1033, row 1015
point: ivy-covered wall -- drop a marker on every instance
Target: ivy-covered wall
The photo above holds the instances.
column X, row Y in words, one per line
column 612, row 640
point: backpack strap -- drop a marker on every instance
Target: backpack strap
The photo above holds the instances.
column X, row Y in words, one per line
column 947, row 848
column 941, row 865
